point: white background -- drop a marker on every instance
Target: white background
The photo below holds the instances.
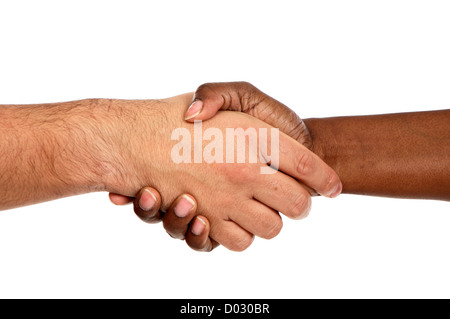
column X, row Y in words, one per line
column 321, row 58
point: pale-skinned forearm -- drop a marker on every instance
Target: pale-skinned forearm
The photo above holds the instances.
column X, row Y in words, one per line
column 399, row 155
column 51, row 151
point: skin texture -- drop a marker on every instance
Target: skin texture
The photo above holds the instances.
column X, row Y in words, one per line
column 396, row 155
column 234, row 96
column 50, row 151
column 56, row 150
column 404, row 155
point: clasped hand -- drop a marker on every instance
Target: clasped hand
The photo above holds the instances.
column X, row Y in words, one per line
column 224, row 203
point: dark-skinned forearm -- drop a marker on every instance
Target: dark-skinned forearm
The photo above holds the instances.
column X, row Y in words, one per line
column 397, row 155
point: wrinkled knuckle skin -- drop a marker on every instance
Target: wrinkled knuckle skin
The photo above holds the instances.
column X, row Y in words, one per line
column 246, row 85
column 304, row 164
column 241, row 244
column 300, row 206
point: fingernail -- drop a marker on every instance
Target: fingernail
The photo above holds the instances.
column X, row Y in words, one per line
column 194, row 110
column 184, row 206
column 337, row 191
column 147, row 200
column 198, row 227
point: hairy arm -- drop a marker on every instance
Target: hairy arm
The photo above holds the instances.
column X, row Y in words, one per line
column 396, row 155
column 50, row 151
column 54, row 150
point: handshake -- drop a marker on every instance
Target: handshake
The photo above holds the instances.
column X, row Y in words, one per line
column 227, row 199
column 223, row 169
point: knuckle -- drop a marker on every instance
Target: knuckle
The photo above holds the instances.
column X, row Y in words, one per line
column 301, row 204
column 304, row 164
column 240, row 173
column 246, row 85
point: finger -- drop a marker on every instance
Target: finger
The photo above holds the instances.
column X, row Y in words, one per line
column 284, row 194
column 258, row 219
column 147, row 205
column 181, row 212
column 230, row 235
column 118, row 199
column 211, row 97
column 299, row 162
column 197, row 236
column 244, row 97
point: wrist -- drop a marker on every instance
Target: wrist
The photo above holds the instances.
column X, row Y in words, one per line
column 133, row 136
column 92, row 159
column 125, row 134
column 317, row 142
column 108, row 128
column 323, row 141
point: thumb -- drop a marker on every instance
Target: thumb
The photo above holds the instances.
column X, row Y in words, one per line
column 244, row 97
column 212, row 97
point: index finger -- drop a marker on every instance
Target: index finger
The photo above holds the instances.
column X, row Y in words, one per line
column 299, row 162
